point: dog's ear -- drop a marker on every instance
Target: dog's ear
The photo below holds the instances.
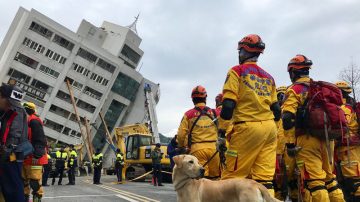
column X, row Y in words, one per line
column 178, row 160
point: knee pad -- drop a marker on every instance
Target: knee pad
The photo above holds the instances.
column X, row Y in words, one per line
column 314, row 185
column 356, row 186
column 331, row 185
column 34, row 184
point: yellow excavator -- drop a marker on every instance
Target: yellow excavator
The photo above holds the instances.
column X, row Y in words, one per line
column 136, row 143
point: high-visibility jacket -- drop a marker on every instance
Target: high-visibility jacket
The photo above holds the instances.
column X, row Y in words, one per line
column 72, row 159
column 97, row 160
column 61, row 158
column 73, row 153
column 71, row 162
column 50, row 162
column 204, row 131
column 254, row 91
column 38, row 140
column 295, row 97
column 119, row 159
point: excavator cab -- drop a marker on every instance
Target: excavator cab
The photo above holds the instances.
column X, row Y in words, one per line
column 134, row 143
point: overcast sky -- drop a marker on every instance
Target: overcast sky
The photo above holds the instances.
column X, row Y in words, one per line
column 187, row 43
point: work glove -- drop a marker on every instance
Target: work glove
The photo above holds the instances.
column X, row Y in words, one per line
column 221, row 141
column 292, row 150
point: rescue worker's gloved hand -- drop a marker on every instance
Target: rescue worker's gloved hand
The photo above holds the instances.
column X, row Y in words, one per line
column 292, row 149
column 221, row 142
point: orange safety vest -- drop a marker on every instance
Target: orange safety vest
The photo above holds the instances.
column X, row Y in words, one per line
column 44, row 159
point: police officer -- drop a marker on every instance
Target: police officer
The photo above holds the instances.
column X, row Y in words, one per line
column 14, row 131
column 156, row 156
column 119, row 164
column 33, row 164
column 250, row 102
column 312, row 160
column 72, row 164
column 198, row 132
column 61, row 157
column 97, row 163
column 47, row 169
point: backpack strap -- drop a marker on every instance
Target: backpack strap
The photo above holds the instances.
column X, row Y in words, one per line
column 215, row 120
column 202, row 113
column 8, row 125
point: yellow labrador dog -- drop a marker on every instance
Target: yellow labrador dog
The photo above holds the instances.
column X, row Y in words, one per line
column 190, row 188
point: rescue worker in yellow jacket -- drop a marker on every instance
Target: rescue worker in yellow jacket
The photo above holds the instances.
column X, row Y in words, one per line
column 309, row 152
column 250, row 102
column 280, row 185
column 198, row 133
column 349, row 157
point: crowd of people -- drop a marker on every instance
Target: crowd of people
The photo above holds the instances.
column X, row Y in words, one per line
column 257, row 131
column 26, row 161
column 268, row 134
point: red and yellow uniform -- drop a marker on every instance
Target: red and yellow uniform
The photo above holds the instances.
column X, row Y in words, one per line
column 32, row 172
column 252, row 146
column 203, row 138
column 350, row 156
column 312, row 160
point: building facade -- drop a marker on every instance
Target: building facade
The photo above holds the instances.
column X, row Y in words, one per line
column 100, row 63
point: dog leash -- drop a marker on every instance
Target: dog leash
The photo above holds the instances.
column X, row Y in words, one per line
column 207, row 162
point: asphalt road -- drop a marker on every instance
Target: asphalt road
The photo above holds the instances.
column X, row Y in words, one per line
column 85, row 191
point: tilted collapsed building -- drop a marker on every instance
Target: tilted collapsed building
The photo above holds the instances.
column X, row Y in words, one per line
column 100, row 63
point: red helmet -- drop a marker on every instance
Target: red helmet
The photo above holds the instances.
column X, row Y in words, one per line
column 199, row 92
column 299, row 62
column 252, row 43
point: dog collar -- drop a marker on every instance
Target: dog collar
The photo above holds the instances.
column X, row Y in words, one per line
column 182, row 184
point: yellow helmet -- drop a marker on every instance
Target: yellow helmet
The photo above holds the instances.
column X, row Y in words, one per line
column 343, row 85
column 281, row 89
column 30, row 105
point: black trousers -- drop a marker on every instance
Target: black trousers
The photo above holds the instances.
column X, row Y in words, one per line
column 45, row 175
column 118, row 171
column 58, row 172
column 71, row 175
column 157, row 175
column 12, row 185
column 97, row 175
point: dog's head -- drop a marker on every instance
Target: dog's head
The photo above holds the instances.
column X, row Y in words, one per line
column 189, row 165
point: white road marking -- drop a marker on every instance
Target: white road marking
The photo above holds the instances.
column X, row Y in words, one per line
column 76, row 196
column 126, row 198
column 128, row 194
